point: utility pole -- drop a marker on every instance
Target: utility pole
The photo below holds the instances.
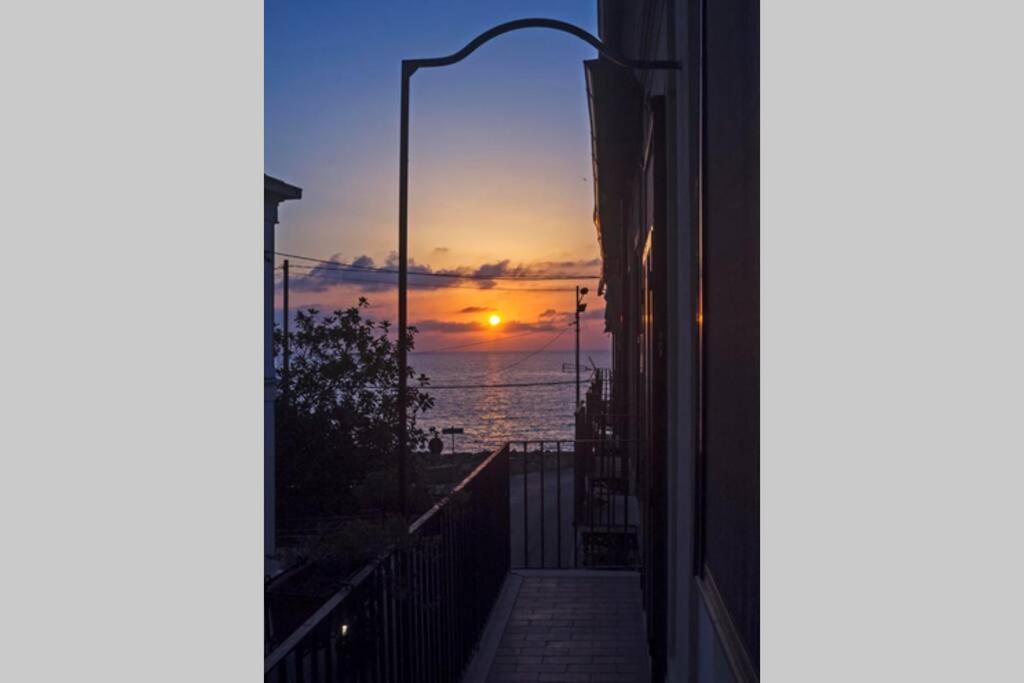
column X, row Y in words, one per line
column 580, row 307
column 287, row 356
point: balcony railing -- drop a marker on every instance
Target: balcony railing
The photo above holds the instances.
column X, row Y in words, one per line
column 416, row 613
column 607, row 516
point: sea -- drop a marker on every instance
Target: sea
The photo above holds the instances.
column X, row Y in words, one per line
column 491, row 415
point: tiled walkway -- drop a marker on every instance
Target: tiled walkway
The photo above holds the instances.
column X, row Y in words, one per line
column 571, row 626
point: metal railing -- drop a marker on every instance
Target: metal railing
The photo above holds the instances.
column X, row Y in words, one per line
column 571, row 502
column 607, row 519
column 542, row 497
column 416, row 613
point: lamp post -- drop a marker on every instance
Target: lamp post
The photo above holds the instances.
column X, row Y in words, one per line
column 580, row 307
column 409, row 67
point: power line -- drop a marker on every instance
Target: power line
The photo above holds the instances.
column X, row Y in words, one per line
column 338, row 265
column 534, row 353
column 338, row 273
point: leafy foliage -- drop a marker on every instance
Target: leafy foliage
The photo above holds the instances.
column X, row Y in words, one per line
column 337, row 413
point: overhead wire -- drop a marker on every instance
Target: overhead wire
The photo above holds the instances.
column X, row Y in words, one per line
column 338, row 265
column 535, row 352
column 343, row 279
column 337, row 268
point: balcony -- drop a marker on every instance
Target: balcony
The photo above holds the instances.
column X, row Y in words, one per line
column 525, row 572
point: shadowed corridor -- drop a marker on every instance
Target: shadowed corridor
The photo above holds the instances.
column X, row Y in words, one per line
column 568, row 625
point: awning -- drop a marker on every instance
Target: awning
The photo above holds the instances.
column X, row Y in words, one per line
column 615, row 100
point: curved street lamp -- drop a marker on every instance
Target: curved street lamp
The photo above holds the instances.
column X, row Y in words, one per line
column 409, row 67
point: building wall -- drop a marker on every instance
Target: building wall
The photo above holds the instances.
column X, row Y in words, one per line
column 274, row 192
column 269, row 387
column 700, row 636
column 731, row 393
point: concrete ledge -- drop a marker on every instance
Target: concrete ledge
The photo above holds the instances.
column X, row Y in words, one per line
column 487, row 649
column 576, row 573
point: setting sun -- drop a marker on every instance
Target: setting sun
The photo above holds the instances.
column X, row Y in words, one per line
column 494, row 320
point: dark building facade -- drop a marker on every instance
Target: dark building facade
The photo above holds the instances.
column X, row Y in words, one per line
column 676, row 170
column 274, row 193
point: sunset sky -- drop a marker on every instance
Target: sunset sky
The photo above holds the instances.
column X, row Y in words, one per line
column 500, row 167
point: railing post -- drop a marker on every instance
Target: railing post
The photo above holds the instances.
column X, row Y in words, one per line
column 506, row 521
column 542, row 538
column 558, row 498
column 526, row 512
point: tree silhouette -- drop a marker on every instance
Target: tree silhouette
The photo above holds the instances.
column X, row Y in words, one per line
column 336, row 414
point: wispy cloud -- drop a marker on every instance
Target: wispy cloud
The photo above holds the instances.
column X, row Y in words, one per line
column 447, row 326
column 323, row 276
column 474, row 309
column 520, row 326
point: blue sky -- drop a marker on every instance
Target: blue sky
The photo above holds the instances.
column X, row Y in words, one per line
column 500, row 150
